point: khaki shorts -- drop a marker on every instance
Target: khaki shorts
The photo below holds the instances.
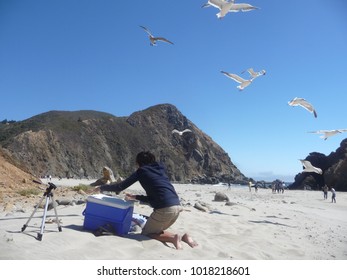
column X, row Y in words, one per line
column 161, row 219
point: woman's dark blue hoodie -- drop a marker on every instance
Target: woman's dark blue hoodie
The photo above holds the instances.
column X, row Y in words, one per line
column 153, row 178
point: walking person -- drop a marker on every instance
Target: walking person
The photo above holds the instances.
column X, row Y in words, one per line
column 250, row 185
column 325, row 191
column 160, row 194
column 333, row 195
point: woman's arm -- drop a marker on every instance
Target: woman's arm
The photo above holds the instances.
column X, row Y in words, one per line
column 142, row 198
column 118, row 187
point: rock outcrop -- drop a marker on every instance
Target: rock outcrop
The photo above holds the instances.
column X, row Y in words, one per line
column 334, row 167
column 78, row 144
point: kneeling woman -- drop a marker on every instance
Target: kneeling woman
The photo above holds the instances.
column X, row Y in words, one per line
column 160, row 194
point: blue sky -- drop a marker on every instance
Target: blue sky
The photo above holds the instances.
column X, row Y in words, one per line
column 92, row 55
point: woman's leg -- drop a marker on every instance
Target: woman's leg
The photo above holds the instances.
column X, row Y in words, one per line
column 168, row 237
column 159, row 221
column 175, row 239
column 187, row 239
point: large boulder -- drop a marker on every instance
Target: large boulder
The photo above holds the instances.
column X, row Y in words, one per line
column 334, row 167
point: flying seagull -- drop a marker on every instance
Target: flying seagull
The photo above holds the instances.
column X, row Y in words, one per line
column 255, row 74
column 222, row 5
column 181, row 132
column 153, row 40
column 328, row 133
column 228, row 6
column 243, row 83
column 308, row 167
column 303, row 103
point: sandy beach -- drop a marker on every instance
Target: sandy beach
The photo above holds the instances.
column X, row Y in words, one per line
column 295, row 225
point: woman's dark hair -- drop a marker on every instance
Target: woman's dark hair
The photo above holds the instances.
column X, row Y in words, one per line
column 144, row 158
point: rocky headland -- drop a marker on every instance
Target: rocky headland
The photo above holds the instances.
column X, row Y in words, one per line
column 79, row 144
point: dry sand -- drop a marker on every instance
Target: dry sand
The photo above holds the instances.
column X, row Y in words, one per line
column 295, row 225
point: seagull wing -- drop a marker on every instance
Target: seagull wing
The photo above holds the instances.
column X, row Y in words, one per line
column 303, row 162
column 217, row 3
column 319, row 131
column 148, row 32
column 252, row 72
column 186, row 130
column 163, row 39
column 303, row 103
column 308, row 106
column 246, row 7
column 293, row 102
column 175, row 131
column 206, row 5
column 234, row 77
column 306, row 164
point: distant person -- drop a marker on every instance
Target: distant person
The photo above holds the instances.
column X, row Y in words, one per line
column 333, row 195
column 325, row 191
column 283, row 186
column 273, row 187
column 250, row 186
column 277, row 186
column 161, row 195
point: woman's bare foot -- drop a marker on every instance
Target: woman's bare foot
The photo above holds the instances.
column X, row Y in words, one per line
column 187, row 239
column 177, row 242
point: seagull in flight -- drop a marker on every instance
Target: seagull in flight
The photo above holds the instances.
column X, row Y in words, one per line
column 181, row 132
column 222, row 5
column 255, row 74
column 153, row 40
column 328, row 133
column 228, row 6
column 303, row 103
column 243, row 83
column 308, row 167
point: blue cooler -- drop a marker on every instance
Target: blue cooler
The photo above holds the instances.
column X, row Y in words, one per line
column 102, row 210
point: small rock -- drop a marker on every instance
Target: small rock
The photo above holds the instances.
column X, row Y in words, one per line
column 219, row 196
column 198, row 206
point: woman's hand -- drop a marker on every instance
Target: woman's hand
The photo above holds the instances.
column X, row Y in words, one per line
column 94, row 190
column 129, row 196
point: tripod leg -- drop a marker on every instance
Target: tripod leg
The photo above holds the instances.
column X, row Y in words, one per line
column 56, row 213
column 39, row 235
column 37, row 206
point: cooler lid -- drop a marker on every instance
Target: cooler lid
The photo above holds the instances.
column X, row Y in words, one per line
column 110, row 201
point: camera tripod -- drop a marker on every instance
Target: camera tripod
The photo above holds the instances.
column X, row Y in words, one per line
column 49, row 196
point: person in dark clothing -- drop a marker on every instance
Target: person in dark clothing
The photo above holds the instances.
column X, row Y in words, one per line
column 160, row 194
column 325, row 191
